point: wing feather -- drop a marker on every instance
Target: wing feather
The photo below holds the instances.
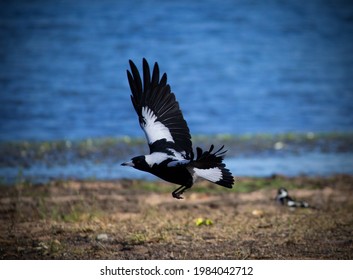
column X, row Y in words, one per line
column 159, row 114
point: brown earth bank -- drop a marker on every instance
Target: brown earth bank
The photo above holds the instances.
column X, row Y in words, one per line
column 130, row 219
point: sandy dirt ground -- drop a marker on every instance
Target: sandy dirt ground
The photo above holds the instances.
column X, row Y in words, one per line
column 141, row 220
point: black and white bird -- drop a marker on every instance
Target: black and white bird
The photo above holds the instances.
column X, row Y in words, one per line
column 284, row 198
column 171, row 155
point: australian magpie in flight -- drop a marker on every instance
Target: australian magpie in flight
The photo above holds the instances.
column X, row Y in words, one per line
column 171, row 155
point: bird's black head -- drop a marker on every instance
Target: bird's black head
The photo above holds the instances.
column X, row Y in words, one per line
column 138, row 163
column 282, row 193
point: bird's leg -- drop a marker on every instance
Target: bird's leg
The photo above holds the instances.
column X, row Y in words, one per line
column 179, row 191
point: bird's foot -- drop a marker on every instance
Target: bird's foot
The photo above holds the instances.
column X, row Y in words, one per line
column 179, row 191
column 177, row 195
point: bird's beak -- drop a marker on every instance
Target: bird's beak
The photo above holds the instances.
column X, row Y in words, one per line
column 128, row 163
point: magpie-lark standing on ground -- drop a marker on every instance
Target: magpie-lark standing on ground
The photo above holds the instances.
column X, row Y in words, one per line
column 171, row 155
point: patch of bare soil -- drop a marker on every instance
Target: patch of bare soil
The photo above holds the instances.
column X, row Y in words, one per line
column 126, row 220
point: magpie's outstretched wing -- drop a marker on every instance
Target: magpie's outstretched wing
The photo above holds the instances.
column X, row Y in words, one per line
column 159, row 114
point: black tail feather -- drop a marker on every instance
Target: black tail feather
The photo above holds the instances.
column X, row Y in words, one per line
column 209, row 158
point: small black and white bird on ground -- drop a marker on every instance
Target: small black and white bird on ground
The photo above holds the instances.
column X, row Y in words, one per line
column 284, row 198
column 171, row 155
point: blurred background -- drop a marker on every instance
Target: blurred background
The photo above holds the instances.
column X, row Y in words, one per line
column 270, row 79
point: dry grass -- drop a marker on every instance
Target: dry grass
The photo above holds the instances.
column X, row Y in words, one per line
column 140, row 220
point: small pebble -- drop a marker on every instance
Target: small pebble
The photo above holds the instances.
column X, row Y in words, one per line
column 258, row 213
column 102, row 237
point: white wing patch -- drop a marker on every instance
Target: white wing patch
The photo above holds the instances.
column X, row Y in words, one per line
column 212, row 174
column 153, row 129
column 156, row 158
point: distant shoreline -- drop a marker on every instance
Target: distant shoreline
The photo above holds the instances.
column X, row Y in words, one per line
column 248, row 155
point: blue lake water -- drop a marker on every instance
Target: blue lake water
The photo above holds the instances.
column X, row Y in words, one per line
column 313, row 164
column 236, row 67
